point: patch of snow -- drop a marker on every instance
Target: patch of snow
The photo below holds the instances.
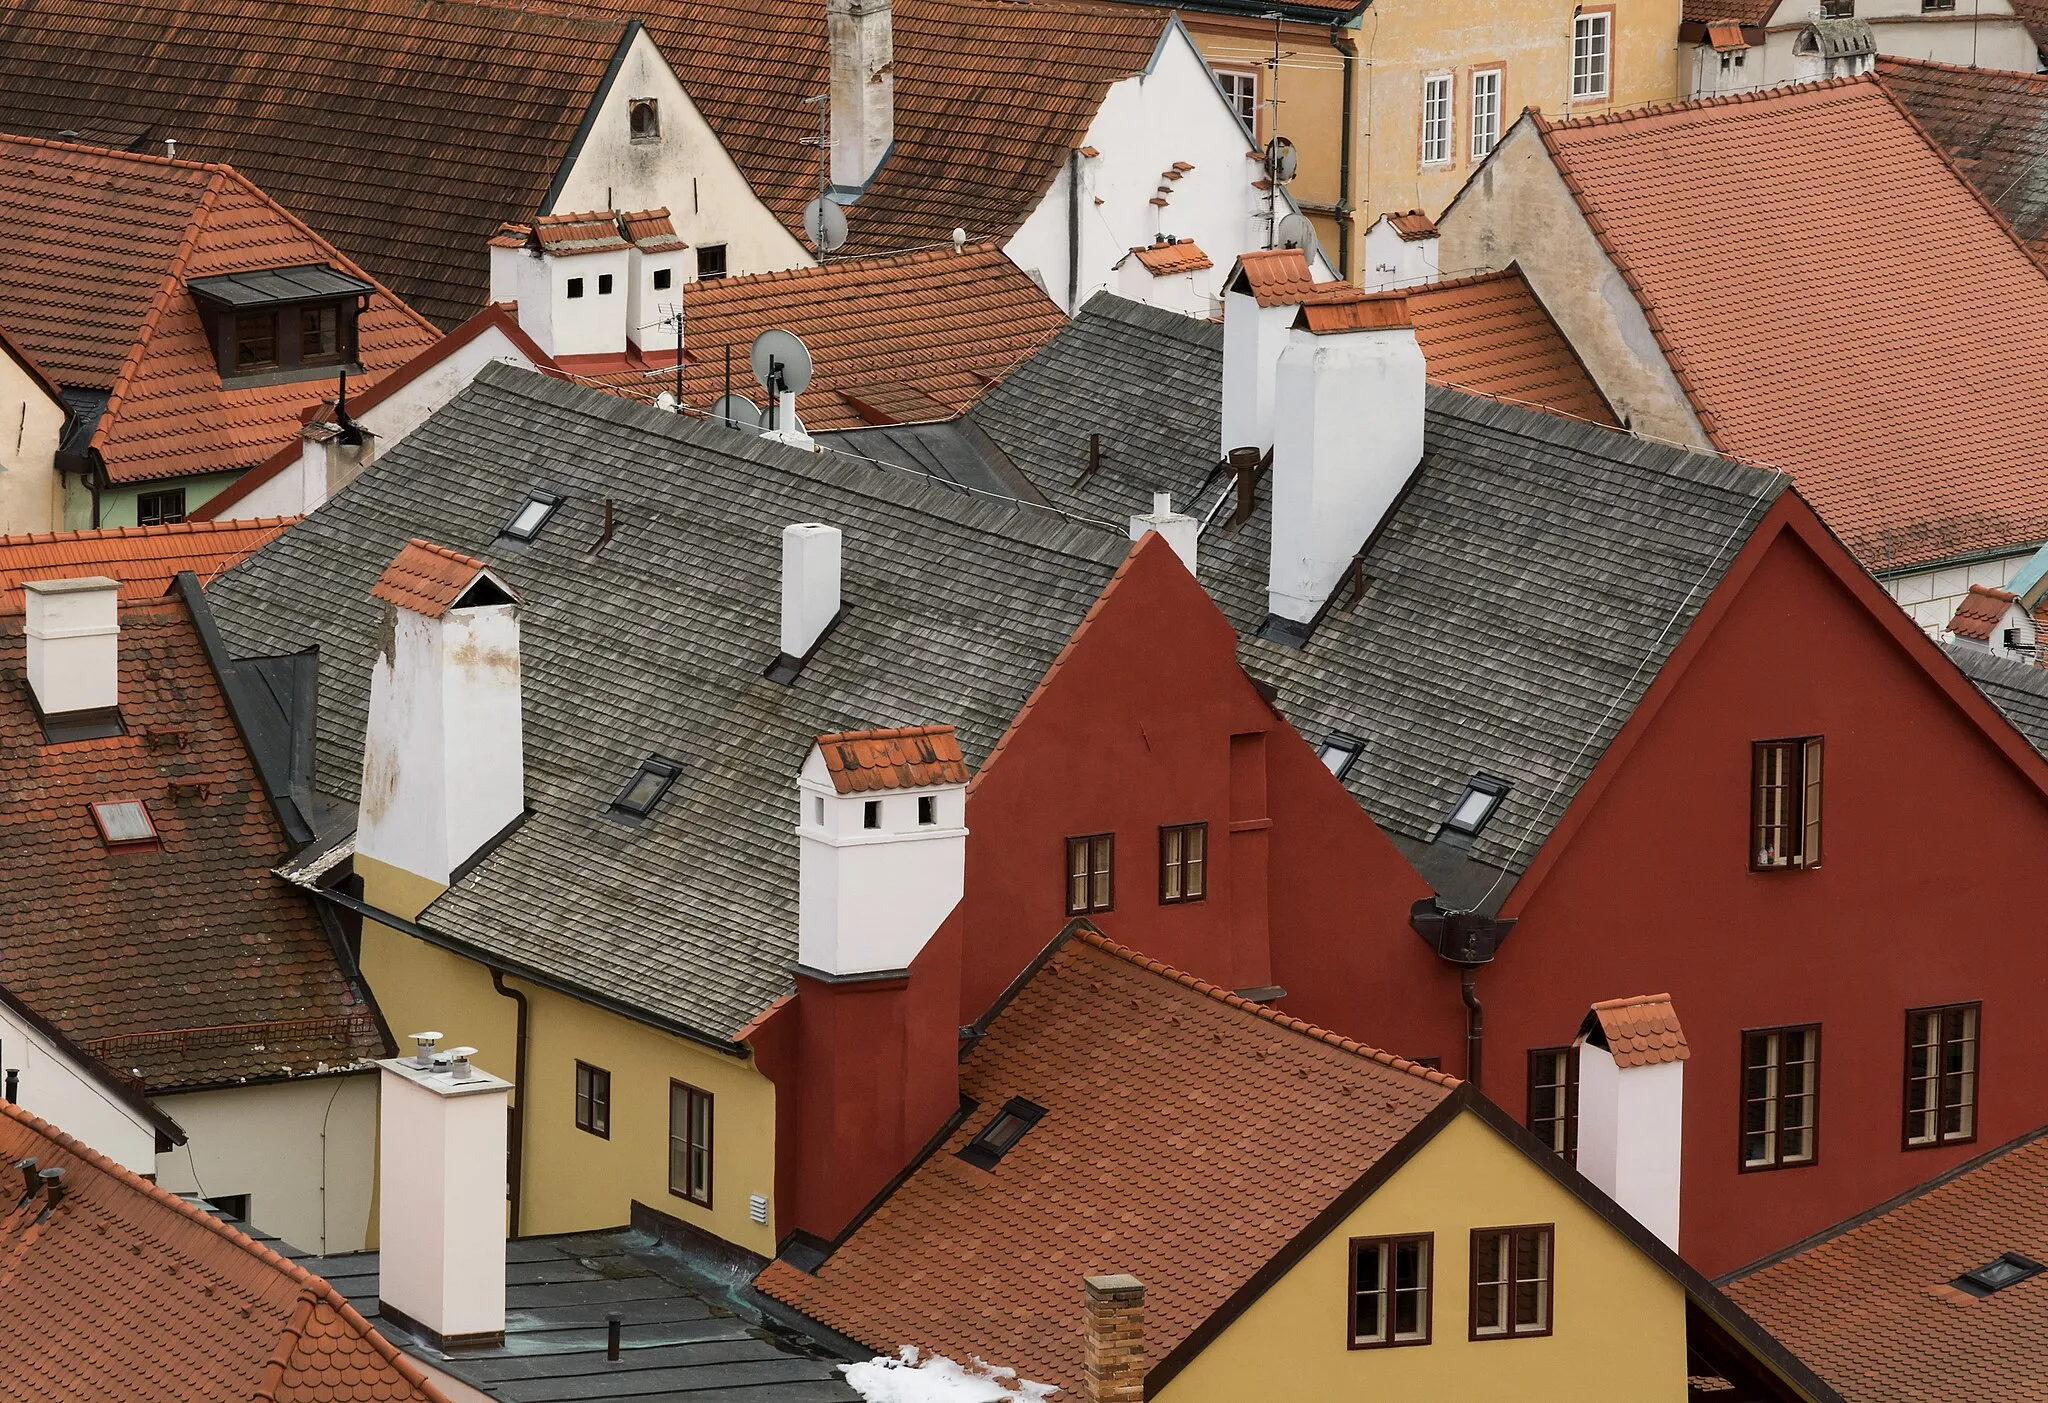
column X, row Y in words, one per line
column 911, row 1378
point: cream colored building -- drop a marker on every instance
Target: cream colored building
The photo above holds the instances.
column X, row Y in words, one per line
column 31, row 427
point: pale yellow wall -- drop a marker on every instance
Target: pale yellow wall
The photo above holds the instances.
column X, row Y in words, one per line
column 31, row 423
column 1619, row 1319
column 573, row 1180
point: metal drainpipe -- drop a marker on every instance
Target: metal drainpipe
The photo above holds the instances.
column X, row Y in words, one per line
column 516, row 1171
column 1345, row 47
column 1073, row 232
column 1475, row 1023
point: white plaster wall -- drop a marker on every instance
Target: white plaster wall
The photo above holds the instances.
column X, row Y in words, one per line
column 304, row 1151
column 593, row 324
column 646, row 304
column 1978, row 33
column 441, row 1213
column 1931, row 597
column 1630, row 1129
column 54, row 1087
column 31, row 424
column 1147, row 122
column 1394, row 262
column 1253, row 338
column 1186, row 293
column 687, row 170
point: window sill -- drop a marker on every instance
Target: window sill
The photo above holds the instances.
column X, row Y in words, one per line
column 288, row 375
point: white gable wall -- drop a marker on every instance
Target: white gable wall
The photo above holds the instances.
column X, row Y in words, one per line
column 53, row 1085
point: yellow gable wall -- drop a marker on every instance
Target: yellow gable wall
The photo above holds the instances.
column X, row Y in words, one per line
column 575, row 1181
column 1619, row 1319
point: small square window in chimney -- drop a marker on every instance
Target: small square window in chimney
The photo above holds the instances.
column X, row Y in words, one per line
column 604, row 284
column 575, row 287
column 871, row 814
column 927, row 810
column 661, row 279
column 125, row 823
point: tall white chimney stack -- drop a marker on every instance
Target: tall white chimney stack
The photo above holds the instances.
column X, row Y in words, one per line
column 1259, row 306
column 443, row 757
column 441, row 1195
column 810, row 585
column 74, row 653
column 1178, row 529
column 1347, row 435
column 1632, row 1056
column 860, row 36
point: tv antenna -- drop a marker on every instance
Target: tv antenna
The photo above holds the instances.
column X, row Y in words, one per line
column 824, row 221
column 1279, row 147
column 782, row 364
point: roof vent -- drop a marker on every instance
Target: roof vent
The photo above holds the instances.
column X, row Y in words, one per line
column 27, row 1168
column 426, row 1042
column 53, row 1192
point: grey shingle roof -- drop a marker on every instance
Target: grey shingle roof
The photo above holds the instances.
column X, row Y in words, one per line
column 1518, row 591
column 2019, row 689
column 655, row 644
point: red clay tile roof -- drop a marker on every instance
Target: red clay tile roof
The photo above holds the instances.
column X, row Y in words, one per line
column 240, row 81
column 1491, row 335
column 566, row 234
column 182, row 961
column 909, row 757
column 1180, row 257
column 1837, row 302
column 1868, row 1305
column 1726, row 35
column 1142, row 1071
column 1364, row 312
column 1279, row 277
column 1994, row 126
column 427, row 578
column 652, row 230
column 129, row 1292
column 143, row 558
column 92, row 283
column 1641, row 1031
column 1980, row 612
column 12, row 349
column 1413, row 225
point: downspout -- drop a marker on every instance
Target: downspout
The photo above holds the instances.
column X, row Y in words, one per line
column 1343, row 45
column 1073, row 232
column 1468, row 940
column 515, row 1172
column 1475, row 1023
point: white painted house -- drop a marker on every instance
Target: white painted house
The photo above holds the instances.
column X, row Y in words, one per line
column 1754, row 44
column 48, row 1075
column 32, row 421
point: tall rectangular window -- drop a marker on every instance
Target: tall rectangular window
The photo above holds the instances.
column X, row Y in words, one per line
column 1511, row 1279
column 1183, row 863
column 319, row 334
column 711, row 260
column 1780, row 1096
column 1941, row 1075
column 1241, row 87
column 1390, row 1287
column 1485, row 112
column 255, row 341
column 1784, row 803
column 689, row 1143
column 594, row 1100
column 1592, row 39
column 1436, row 120
column 1089, row 878
column 1554, row 1098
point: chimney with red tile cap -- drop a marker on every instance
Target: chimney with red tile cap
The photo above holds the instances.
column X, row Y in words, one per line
column 1632, row 1056
column 1113, row 1364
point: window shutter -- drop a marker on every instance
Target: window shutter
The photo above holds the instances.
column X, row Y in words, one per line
column 1809, row 849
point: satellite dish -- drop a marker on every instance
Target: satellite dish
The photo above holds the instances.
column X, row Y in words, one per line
column 1299, row 231
column 1281, row 159
column 825, row 225
column 665, row 400
column 780, row 362
column 736, row 412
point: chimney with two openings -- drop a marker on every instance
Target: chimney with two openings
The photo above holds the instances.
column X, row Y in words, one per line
column 860, row 39
column 74, row 655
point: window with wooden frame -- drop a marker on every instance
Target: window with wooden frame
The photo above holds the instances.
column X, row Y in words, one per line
column 1554, row 1098
column 1511, row 1282
column 1090, row 884
column 1183, row 863
column 1241, row 89
column 1485, row 112
column 1436, row 119
column 689, row 1143
column 643, row 119
column 1391, row 1279
column 594, row 1100
column 1941, row 1075
column 1780, row 1096
column 160, row 508
column 1784, row 809
column 255, row 342
column 1592, row 54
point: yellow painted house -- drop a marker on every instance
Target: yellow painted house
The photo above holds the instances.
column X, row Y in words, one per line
column 1160, row 1190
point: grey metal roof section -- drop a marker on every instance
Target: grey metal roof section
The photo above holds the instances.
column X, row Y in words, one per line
column 654, row 643
column 271, row 287
column 955, row 452
column 1517, row 598
column 2019, row 689
column 679, row 1340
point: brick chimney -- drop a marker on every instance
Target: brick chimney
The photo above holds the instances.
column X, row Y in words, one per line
column 74, row 653
column 1632, row 1057
column 860, row 35
column 1114, row 1359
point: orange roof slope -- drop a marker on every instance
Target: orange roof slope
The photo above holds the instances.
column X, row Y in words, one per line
column 1870, row 1305
column 1839, row 303
column 1994, row 126
column 908, row 757
column 1490, row 335
column 143, row 558
column 427, row 578
column 127, row 1291
column 92, row 284
column 1142, row 1071
column 1641, row 1031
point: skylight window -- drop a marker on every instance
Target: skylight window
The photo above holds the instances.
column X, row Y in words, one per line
column 124, row 822
column 1338, row 751
column 1000, row 1134
column 639, row 797
column 539, row 507
column 2009, row 1270
column 1482, row 796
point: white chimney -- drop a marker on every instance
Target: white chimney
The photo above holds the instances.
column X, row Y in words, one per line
column 441, row 1196
column 882, row 829
column 1631, row 1102
column 74, row 654
column 443, row 759
column 810, row 585
column 1253, row 338
column 1401, row 250
column 571, row 275
column 1347, row 435
column 860, row 37
column 1179, row 530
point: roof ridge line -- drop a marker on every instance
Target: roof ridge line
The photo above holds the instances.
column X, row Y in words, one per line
column 2027, row 251
column 132, row 533
column 1090, row 936
column 112, row 153
column 287, row 1343
column 1663, row 109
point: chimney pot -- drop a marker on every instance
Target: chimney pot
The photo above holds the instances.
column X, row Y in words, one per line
column 74, row 655
column 612, row 1324
column 1113, row 1361
column 53, row 1192
column 810, row 585
column 425, row 1044
column 27, row 1169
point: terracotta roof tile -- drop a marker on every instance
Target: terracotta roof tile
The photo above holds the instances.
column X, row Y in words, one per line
column 1413, row 225
column 1277, row 277
column 127, row 1291
column 1725, row 35
column 1364, row 312
column 1181, row 256
column 1980, row 612
column 565, row 234
column 651, row 230
column 1142, row 1071
column 1641, row 1031
column 908, row 757
column 1491, row 335
column 143, row 558
column 427, row 578
column 1837, row 302
column 1994, row 126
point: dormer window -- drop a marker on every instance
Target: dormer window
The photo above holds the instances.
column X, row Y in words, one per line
column 644, row 119
column 1481, row 797
column 646, row 788
column 124, row 823
column 281, row 324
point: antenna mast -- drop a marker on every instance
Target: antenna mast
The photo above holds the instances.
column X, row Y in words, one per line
column 1273, row 130
column 823, row 141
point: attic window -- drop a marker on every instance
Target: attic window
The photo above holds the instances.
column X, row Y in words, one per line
column 1482, row 796
column 1338, row 751
column 652, row 781
column 2009, row 1270
column 281, row 323
column 644, row 119
column 996, row 1138
column 539, row 508
column 124, row 823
